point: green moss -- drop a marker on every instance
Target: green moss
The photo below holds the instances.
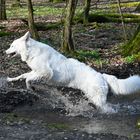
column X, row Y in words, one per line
column 109, row 17
column 4, row 33
column 132, row 46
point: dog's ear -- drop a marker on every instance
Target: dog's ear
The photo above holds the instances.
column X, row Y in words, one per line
column 26, row 36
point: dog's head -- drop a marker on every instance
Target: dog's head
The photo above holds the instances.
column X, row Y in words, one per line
column 19, row 47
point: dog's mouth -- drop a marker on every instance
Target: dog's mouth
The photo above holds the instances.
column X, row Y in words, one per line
column 12, row 54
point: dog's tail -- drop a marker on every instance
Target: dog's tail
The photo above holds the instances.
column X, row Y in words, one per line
column 123, row 86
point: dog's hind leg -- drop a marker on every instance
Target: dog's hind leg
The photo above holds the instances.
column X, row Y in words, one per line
column 99, row 98
column 100, row 102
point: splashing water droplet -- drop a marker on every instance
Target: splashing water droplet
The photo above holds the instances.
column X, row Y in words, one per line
column 3, row 82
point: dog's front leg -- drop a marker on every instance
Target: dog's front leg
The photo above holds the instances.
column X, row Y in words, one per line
column 35, row 76
column 27, row 76
column 23, row 76
column 32, row 77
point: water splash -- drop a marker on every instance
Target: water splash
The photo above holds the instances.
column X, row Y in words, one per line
column 81, row 108
column 72, row 106
column 77, row 105
column 3, row 82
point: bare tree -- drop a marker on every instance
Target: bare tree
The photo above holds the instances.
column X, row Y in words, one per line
column 2, row 10
column 67, row 43
column 31, row 23
column 86, row 11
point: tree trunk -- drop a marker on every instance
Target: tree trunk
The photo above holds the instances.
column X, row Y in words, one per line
column 67, row 44
column 31, row 24
column 2, row 10
column 133, row 46
column 138, row 8
column 86, row 11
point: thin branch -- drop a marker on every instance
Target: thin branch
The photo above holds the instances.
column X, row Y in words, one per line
column 122, row 18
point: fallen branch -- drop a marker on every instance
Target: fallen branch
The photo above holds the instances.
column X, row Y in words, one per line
column 113, row 17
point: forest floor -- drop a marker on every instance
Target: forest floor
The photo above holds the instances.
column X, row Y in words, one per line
column 62, row 113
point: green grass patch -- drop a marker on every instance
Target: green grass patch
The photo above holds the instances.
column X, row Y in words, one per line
column 38, row 11
column 83, row 55
column 126, row 5
column 46, row 10
column 17, row 12
column 4, row 33
column 130, row 59
column 89, row 54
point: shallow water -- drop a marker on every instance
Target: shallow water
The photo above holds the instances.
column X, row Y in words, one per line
column 58, row 108
column 71, row 111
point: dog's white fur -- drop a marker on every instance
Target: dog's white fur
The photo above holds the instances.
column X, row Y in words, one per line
column 47, row 63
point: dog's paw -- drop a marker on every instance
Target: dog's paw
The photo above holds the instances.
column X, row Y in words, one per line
column 8, row 79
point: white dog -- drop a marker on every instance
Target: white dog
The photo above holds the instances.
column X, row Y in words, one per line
column 47, row 63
